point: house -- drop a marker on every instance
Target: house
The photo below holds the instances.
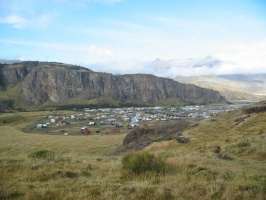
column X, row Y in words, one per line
column 39, row 126
column 84, row 130
column 110, row 120
column 134, row 119
column 158, row 108
column 138, row 117
column 193, row 115
column 205, row 115
column 87, row 110
column 146, row 119
column 131, row 125
column 119, row 124
column 92, row 123
column 87, row 115
column 103, row 116
column 125, row 118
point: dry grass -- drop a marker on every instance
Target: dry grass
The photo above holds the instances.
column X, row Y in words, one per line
column 79, row 169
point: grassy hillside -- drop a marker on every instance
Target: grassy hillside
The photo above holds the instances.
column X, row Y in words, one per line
column 225, row 159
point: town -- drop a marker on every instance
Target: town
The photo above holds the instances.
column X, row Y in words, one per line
column 119, row 120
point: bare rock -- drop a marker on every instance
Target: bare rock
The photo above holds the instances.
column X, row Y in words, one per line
column 183, row 140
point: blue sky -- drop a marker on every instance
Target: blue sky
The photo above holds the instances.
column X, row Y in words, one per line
column 86, row 32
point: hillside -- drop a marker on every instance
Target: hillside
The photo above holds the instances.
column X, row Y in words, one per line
column 39, row 83
column 232, row 87
column 225, row 159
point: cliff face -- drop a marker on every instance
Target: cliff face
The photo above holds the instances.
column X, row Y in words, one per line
column 40, row 82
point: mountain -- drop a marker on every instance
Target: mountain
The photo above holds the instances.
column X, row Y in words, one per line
column 3, row 61
column 165, row 68
column 208, row 62
column 232, row 87
column 37, row 83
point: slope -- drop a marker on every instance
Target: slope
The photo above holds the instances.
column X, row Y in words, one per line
column 225, row 159
column 232, row 87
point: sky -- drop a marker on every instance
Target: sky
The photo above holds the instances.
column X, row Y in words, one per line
column 126, row 36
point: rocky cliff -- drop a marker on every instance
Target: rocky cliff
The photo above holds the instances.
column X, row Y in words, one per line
column 42, row 81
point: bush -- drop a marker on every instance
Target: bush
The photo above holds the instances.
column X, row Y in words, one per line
column 244, row 144
column 42, row 154
column 140, row 163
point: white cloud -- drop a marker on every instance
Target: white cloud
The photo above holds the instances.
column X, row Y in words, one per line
column 15, row 21
column 99, row 50
column 247, row 58
column 234, row 59
column 129, row 66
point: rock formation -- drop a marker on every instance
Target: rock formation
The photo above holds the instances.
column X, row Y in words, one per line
column 57, row 82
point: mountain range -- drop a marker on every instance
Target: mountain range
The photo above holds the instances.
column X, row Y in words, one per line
column 34, row 83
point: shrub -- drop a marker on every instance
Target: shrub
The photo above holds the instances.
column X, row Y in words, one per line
column 243, row 144
column 42, row 154
column 140, row 163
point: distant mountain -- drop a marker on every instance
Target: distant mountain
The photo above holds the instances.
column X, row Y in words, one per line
column 3, row 61
column 164, row 68
column 39, row 83
column 232, row 87
column 185, row 63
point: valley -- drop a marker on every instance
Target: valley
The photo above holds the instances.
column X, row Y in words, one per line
column 132, row 100
column 224, row 158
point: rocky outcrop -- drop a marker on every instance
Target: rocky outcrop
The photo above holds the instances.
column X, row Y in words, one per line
column 57, row 82
column 139, row 138
column 183, row 140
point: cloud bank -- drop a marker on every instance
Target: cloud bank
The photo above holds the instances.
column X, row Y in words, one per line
column 237, row 59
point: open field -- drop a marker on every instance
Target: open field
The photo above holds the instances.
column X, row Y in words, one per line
column 225, row 159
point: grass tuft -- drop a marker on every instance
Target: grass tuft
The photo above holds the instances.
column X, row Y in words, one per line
column 42, row 154
column 141, row 163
